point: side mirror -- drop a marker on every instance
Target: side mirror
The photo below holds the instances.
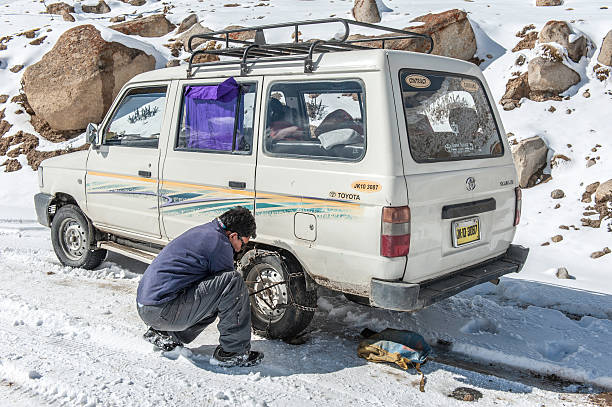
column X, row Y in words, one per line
column 91, row 135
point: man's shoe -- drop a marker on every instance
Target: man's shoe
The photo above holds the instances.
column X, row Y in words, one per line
column 231, row 359
column 161, row 339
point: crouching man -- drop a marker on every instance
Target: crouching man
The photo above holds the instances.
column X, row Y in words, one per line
column 192, row 282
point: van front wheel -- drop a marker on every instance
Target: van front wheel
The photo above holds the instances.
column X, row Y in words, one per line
column 280, row 305
column 72, row 235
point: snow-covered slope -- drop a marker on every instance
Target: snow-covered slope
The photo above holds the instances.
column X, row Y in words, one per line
column 73, row 337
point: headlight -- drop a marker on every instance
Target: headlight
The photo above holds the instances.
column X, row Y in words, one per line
column 40, row 177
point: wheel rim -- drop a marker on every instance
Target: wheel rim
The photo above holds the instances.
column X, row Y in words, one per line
column 270, row 304
column 73, row 238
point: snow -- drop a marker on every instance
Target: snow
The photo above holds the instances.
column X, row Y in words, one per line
column 73, row 337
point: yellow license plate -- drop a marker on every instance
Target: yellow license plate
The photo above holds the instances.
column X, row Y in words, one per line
column 466, row 231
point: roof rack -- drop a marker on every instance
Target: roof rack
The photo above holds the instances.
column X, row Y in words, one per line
column 293, row 51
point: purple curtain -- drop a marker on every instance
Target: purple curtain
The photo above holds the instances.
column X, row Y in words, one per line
column 210, row 114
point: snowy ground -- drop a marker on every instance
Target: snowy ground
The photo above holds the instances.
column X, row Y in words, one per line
column 72, row 337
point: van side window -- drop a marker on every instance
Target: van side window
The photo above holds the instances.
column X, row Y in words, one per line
column 218, row 118
column 137, row 120
column 322, row 120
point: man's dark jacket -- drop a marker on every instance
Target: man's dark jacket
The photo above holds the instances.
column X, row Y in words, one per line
column 196, row 254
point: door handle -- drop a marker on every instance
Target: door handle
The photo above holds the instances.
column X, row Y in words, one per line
column 237, row 185
column 146, row 174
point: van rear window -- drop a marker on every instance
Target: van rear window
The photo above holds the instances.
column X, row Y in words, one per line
column 448, row 118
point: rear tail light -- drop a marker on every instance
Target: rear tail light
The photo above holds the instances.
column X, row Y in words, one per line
column 395, row 235
column 517, row 207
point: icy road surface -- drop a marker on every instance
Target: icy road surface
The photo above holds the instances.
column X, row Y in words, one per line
column 72, row 337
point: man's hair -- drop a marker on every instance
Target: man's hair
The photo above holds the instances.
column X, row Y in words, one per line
column 239, row 220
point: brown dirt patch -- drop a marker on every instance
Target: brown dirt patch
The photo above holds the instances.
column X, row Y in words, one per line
column 601, row 399
column 11, row 165
column 527, row 42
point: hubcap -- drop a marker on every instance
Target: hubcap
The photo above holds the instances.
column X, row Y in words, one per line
column 73, row 238
column 270, row 302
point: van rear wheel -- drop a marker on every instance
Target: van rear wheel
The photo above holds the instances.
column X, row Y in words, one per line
column 281, row 307
column 72, row 236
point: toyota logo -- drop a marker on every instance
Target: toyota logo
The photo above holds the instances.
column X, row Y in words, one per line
column 470, row 183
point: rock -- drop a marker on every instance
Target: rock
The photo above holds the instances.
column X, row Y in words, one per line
column 557, row 194
column 59, row 8
column 560, row 32
column 552, row 109
column 592, row 187
column 603, row 193
column 172, row 63
column 11, row 165
column 466, row 394
column 600, row 253
column 605, row 51
column 451, row 31
column 527, row 42
column 68, row 17
column 563, row 227
column 516, row 89
column 563, row 274
column 550, row 76
column 153, row 26
column 187, row 23
column 38, row 40
column 591, row 162
column 557, row 206
column 545, row 244
column 520, row 61
column 586, row 94
column 548, row 2
column 135, row 2
column 100, row 8
column 529, row 157
column 75, row 83
column 241, row 35
column 3, row 98
column 197, row 28
column 366, row 11
column 556, row 238
column 592, row 223
column 16, row 68
column 117, row 19
column 586, row 197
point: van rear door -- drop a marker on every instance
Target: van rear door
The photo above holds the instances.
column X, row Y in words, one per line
column 458, row 168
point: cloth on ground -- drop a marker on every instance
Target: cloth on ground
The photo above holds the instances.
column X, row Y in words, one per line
column 404, row 348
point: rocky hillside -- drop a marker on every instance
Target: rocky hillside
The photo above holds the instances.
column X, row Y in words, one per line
column 548, row 64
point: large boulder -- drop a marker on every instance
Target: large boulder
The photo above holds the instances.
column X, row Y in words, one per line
column 187, row 23
column 605, row 52
column 153, row 26
column 100, row 8
column 366, row 11
column 197, row 28
column 549, row 75
column 561, row 33
column 451, row 31
column 529, row 157
column 603, row 193
column 59, row 8
column 75, row 83
column 540, row 3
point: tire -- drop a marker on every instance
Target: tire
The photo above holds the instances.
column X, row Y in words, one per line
column 288, row 320
column 72, row 235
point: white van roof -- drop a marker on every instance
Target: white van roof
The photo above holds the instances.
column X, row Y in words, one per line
column 336, row 62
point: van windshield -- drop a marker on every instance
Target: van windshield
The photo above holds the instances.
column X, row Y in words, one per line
column 448, row 118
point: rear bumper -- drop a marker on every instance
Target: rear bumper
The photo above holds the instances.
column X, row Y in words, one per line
column 402, row 296
column 41, row 203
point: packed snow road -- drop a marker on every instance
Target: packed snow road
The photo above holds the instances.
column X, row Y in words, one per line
column 72, row 337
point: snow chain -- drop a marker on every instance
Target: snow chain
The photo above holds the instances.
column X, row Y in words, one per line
column 292, row 302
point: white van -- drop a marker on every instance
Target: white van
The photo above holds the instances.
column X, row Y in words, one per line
column 382, row 174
